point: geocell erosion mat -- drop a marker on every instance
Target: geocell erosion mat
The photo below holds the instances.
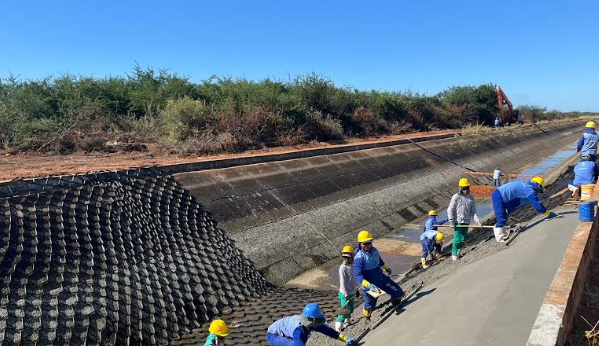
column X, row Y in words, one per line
column 126, row 258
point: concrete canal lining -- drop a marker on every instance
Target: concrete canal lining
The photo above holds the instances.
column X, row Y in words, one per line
column 292, row 215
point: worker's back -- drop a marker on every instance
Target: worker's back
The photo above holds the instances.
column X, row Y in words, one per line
column 514, row 190
column 584, row 173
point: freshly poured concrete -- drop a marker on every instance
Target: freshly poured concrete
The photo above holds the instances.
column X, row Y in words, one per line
column 493, row 301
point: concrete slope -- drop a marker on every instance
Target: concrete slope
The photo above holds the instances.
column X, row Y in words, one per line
column 309, row 208
column 493, row 301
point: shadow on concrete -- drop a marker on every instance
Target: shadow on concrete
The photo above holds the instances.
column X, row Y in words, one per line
column 531, row 225
column 417, row 296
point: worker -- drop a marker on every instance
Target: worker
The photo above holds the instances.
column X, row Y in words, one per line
column 432, row 221
column 585, row 172
column 368, row 270
column 587, row 144
column 348, row 288
column 509, row 196
column 431, row 245
column 295, row 330
column 496, row 123
column 218, row 332
column 497, row 177
column 461, row 210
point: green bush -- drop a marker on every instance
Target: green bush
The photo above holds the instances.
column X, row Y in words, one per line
column 183, row 116
column 224, row 114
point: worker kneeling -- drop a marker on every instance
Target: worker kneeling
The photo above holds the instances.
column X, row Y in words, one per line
column 368, row 270
column 511, row 195
column 585, row 172
column 431, row 245
column 295, row 330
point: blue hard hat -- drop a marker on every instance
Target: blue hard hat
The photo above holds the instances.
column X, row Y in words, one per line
column 312, row 310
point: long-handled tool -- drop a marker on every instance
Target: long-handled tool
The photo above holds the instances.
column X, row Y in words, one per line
column 464, row 226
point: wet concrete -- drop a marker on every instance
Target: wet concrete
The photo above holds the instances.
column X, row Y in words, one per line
column 493, row 301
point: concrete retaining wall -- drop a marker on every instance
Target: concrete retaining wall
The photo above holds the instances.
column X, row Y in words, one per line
column 292, row 215
column 554, row 322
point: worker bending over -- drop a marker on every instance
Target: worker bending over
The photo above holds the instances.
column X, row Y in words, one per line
column 509, row 196
column 431, row 245
column 295, row 330
column 368, row 270
column 587, row 144
column 348, row 288
column 461, row 210
column 218, row 332
column 432, row 221
column 585, row 172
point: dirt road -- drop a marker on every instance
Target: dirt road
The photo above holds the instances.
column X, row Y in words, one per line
column 32, row 165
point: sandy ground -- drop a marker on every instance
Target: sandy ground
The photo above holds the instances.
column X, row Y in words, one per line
column 33, row 165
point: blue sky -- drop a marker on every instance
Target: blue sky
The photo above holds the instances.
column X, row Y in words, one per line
column 541, row 52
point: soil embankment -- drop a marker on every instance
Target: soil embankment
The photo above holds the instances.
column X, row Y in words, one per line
column 292, row 215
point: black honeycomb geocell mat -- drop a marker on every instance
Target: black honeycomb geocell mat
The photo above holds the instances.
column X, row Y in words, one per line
column 250, row 321
column 115, row 260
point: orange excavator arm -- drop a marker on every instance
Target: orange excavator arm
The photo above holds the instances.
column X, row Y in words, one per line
column 501, row 99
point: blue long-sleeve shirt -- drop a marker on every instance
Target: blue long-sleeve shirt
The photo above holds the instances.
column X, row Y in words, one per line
column 432, row 220
column 587, row 143
column 290, row 327
column 523, row 192
column 585, row 172
column 366, row 261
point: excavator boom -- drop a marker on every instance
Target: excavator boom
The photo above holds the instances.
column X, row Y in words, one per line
column 501, row 99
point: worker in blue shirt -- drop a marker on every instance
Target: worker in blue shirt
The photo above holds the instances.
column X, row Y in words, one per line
column 508, row 197
column 496, row 123
column 585, row 172
column 368, row 271
column 432, row 241
column 295, row 330
column 432, row 221
column 587, row 144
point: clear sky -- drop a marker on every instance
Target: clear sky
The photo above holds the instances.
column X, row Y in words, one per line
column 541, row 52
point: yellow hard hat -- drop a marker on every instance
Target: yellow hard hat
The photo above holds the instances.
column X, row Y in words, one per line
column 432, row 213
column 590, row 124
column 219, row 327
column 464, row 182
column 440, row 237
column 364, row 236
column 347, row 249
column 539, row 180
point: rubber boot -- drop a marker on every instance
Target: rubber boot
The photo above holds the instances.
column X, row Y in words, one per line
column 454, row 258
column 338, row 326
column 366, row 313
column 346, row 324
column 395, row 301
column 423, row 261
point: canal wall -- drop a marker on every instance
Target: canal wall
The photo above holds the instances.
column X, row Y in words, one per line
column 289, row 216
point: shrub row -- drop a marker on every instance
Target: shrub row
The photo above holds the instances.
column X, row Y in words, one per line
column 160, row 108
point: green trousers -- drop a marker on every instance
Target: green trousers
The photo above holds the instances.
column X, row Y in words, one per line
column 349, row 306
column 459, row 238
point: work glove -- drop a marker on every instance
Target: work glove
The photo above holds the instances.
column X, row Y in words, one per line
column 551, row 214
column 351, row 342
column 387, row 269
column 372, row 287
